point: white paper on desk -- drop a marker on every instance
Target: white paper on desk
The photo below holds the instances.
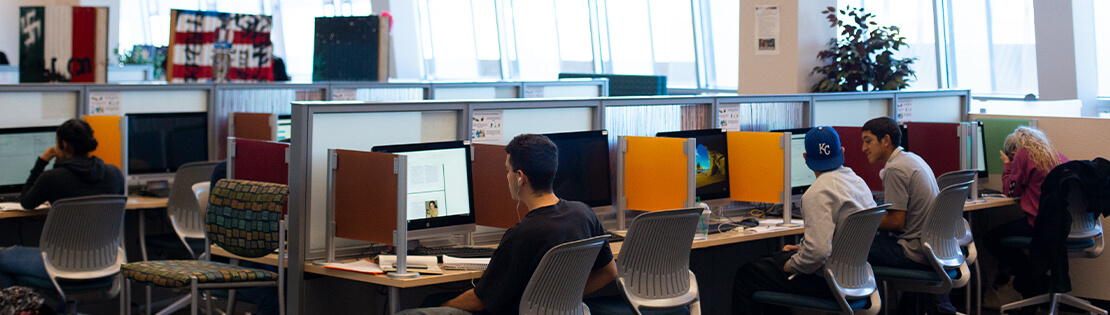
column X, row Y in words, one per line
column 389, row 262
column 361, row 265
column 456, row 263
column 15, row 206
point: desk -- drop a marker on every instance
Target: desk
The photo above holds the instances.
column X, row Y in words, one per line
column 766, row 230
column 991, row 202
column 133, row 203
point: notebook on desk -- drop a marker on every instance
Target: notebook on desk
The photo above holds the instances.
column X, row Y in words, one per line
column 15, row 206
column 421, row 264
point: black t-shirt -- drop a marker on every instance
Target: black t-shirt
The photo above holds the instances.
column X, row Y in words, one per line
column 522, row 247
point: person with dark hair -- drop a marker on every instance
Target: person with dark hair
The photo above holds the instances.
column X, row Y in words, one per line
column 75, row 174
column 530, row 170
column 909, row 186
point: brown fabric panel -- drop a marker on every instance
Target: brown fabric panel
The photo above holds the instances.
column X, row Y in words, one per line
column 257, row 126
column 365, row 196
column 493, row 203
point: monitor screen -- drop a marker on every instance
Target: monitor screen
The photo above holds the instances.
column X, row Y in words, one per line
column 439, row 192
column 800, row 174
column 160, row 143
column 284, row 127
column 710, row 162
column 583, row 173
column 19, row 148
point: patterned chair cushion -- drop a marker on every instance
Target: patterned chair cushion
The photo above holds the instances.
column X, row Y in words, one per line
column 179, row 273
column 243, row 216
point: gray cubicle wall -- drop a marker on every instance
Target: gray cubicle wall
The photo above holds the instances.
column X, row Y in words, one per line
column 38, row 105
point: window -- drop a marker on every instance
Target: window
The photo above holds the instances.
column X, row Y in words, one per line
column 460, row 39
column 652, row 37
column 994, row 47
column 723, row 44
column 547, row 44
column 914, row 18
column 1102, row 47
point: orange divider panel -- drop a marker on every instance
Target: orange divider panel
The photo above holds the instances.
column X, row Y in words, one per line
column 365, row 192
column 755, row 166
column 257, row 126
column 493, row 203
column 655, row 173
column 106, row 130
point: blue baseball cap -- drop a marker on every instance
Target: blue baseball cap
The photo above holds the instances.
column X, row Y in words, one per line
column 823, row 149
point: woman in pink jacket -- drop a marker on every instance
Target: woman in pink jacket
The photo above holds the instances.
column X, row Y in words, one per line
column 1027, row 157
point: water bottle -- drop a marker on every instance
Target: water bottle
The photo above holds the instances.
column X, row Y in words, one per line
column 703, row 228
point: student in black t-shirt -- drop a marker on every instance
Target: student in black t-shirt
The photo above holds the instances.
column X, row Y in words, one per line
column 550, row 221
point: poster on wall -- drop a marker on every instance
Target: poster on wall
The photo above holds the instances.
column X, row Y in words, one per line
column 728, row 117
column 767, row 29
column 486, row 126
column 904, row 110
column 219, row 47
column 63, row 44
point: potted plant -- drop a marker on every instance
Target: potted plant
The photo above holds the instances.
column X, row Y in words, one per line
column 862, row 59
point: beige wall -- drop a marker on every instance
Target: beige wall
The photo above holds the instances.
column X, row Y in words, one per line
column 804, row 31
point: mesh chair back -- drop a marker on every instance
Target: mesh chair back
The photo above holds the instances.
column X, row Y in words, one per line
column 557, row 285
column 185, row 216
column 956, row 177
column 81, row 237
column 655, row 255
column 1083, row 224
column 244, row 216
column 944, row 223
column 851, row 243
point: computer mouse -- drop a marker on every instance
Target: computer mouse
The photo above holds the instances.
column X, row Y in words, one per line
column 749, row 222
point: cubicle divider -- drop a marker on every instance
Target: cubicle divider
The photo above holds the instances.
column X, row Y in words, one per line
column 653, row 174
column 257, row 126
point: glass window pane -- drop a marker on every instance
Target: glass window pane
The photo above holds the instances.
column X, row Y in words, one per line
column 995, row 47
column 724, row 42
column 653, row 37
column 1102, row 44
column 547, row 44
column 629, row 37
column 461, row 39
column 914, row 19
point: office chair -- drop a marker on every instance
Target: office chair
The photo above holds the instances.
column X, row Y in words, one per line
column 1085, row 240
column 557, row 285
column 956, row 177
column 942, row 251
column 966, row 240
column 847, row 272
column 81, row 249
column 244, row 218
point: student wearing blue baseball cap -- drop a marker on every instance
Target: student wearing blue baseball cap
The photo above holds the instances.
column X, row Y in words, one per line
column 836, row 193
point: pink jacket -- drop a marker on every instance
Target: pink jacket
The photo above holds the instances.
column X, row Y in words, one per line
column 1021, row 178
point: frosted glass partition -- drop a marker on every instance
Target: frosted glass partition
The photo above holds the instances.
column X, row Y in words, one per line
column 167, row 101
column 547, row 120
column 36, row 109
column 850, row 112
column 389, row 94
column 443, row 92
column 643, row 121
column 768, row 116
column 935, row 109
column 565, row 91
column 362, row 131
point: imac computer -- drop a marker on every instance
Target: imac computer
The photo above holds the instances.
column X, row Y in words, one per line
column 440, row 196
column 710, row 162
column 583, row 173
column 19, row 148
column 157, row 144
column 801, row 177
column 284, row 127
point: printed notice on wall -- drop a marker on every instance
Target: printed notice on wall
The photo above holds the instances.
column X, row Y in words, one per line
column 344, row 95
column 767, row 29
column 728, row 117
column 485, row 126
column 104, row 103
column 904, row 110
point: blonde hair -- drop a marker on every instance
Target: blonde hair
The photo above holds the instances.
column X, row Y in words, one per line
column 1035, row 143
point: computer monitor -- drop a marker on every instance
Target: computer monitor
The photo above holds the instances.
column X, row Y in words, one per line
column 710, row 162
column 583, row 173
column 981, row 149
column 440, row 196
column 284, row 127
column 19, row 148
column 801, row 177
column 160, row 143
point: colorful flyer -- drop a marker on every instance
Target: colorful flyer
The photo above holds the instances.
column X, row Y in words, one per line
column 485, row 126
